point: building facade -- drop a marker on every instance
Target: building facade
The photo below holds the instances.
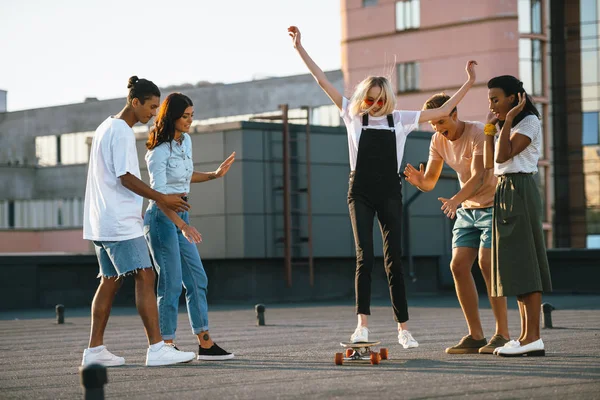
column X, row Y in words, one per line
column 423, row 47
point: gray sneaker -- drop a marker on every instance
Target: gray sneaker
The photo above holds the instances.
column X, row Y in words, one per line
column 467, row 345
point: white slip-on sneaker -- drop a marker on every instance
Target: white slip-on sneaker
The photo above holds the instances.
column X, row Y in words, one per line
column 361, row 334
column 532, row 349
column 168, row 355
column 406, row 339
column 510, row 343
column 102, row 357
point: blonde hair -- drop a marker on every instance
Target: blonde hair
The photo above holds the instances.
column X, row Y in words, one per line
column 436, row 101
column 357, row 106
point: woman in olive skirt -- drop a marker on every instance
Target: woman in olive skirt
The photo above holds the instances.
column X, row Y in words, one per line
column 519, row 261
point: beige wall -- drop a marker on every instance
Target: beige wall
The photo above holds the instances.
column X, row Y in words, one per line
column 47, row 241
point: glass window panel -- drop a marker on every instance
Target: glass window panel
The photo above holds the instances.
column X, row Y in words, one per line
column 524, row 10
column 525, row 73
column 400, row 25
column 536, row 16
column 588, row 10
column 525, row 49
column 368, row 3
column 416, row 13
column 590, row 128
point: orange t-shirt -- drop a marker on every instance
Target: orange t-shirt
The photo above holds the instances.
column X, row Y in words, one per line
column 458, row 154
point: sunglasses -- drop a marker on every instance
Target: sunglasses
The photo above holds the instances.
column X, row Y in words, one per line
column 370, row 102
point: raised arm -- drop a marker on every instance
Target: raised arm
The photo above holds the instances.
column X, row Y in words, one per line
column 198, row 177
column 509, row 146
column 446, row 109
column 314, row 69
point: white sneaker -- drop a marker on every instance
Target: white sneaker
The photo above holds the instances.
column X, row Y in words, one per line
column 361, row 334
column 406, row 340
column 102, row 357
column 509, row 344
column 167, row 355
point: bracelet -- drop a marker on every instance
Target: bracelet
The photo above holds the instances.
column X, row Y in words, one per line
column 183, row 226
column 490, row 130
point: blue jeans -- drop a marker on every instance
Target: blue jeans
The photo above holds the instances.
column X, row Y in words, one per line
column 177, row 262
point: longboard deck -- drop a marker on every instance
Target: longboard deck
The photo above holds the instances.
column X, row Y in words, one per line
column 359, row 345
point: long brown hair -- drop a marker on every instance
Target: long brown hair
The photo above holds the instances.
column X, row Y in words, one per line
column 171, row 110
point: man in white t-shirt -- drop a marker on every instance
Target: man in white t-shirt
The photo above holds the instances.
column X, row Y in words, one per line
column 113, row 221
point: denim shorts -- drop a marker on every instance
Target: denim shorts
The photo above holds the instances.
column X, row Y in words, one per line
column 473, row 228
column 122, row 258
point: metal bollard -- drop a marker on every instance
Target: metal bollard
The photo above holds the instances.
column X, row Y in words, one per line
column 260, row 314
column 60, row 314
column 93, row 379
column 547, row 315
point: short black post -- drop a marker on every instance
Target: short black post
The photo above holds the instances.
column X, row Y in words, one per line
column 60, row 314
column 547, row 315
column 260, row 314
column 93, row 379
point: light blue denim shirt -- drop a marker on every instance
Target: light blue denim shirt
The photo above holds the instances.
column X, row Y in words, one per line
column 170, row 166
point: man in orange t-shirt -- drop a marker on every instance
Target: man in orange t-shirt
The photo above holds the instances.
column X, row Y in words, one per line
column 460, row 144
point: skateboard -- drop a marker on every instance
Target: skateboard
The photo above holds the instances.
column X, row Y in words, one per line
column 361, row 351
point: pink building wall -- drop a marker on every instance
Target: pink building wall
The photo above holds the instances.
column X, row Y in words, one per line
column 47, row 241
column 450, row 34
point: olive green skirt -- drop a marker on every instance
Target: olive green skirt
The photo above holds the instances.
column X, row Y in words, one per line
column 519, row 260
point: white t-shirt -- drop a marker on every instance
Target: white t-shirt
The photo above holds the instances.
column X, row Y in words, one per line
column 526, row 161
column 111, row 211
column 404, row 122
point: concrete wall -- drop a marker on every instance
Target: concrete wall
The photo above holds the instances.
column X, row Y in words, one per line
column 46, row 280
column 18, row 129
column 44, row 241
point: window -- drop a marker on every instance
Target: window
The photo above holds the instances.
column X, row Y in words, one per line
column 408, row 77
column 590, row 134
column 530, row 16
column 530, row 66
column 368, row 3
column 68, row 148
column 407, row 15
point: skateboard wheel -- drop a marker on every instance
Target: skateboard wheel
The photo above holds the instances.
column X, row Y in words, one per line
column 375, row 358
column 383, row 352
column 349, row 352
column 339, row 358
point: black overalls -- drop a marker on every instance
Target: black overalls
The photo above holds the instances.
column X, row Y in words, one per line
column 375, row 187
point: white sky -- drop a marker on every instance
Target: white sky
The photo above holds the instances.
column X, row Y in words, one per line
column 61, row 51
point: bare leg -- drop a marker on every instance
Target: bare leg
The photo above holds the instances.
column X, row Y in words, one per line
column 362, row 320
column 466, row 291
column 532, row 303
column 523, row 316
column 498, row 303
column 145, row 301
column 205, row 340
column 101, row 306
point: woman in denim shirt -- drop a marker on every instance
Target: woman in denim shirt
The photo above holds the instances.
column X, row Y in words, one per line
column 171, row 239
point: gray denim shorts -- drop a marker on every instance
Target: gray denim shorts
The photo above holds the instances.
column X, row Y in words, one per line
column 122, row 258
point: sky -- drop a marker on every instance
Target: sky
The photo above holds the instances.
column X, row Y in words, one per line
column 62, row 51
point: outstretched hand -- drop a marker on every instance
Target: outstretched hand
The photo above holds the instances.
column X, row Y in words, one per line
column 413, row 176
column 294, row 33
column 470, row 68
column 449, row 207
column 225, row 165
